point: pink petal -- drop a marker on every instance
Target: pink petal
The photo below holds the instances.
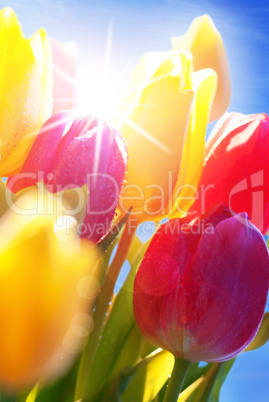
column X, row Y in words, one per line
column 77, row 167
column 79, row 127
column 214, row 307
column 40, row 158
column 232, row 267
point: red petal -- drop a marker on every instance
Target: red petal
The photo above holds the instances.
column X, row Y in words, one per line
column 236, row 171
column 77, row 167
column 78, row 128
column 232, row 266
column 40, row 158
column 215, row 306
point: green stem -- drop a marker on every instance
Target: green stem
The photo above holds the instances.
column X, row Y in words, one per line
column 175, row 383
column 102, row 306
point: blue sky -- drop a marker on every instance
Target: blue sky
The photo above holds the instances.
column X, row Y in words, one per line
column 141, row 26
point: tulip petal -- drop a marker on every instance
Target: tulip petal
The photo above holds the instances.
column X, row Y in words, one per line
column 27, row 90
column 226, row 266
column 154, row 128
column 204, row 85
column 235, row 171
column 141, row 76
column 225, row 124
column 78, row 128
column 42, row 51
column 214, row 308
column 163, row 275
column 81, row 161
column 42, row 154
column 39, row 302
column 206, row 45
column 77, row 167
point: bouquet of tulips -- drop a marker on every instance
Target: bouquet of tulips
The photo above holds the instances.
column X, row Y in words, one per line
column 131, row 249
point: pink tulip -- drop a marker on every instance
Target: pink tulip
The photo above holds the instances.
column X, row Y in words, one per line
column 236, row 168
column 69, row 153
column 201, row 289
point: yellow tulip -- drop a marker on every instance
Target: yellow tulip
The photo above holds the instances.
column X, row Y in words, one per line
column 46, row 283
column 206, row 45
column 25, row 90
column 164, row 122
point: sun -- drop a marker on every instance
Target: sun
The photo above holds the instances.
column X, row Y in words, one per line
column 97, row 97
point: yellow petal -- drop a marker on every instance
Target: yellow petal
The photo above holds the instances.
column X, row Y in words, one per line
column 25, row 91
column 204, row 84
column 206, row 45
column 40, row 302
column 141, row 76
column 154, row 127
column 42, row 51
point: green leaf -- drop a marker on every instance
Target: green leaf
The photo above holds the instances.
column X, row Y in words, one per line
column 209, row 389
column 130, row 350
column 60, row 390
column 188, row 392
column 262, row 335
column 33, row 394
column 113, row 233
column 193, row 379
column 119, row 325
column 119, row 332
column 149, row 377
column 195, row 372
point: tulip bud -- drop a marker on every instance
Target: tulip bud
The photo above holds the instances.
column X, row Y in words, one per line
column 45, row 269
column 236, row 168
column 201, row 289
column 82, row 161
column 26, row 90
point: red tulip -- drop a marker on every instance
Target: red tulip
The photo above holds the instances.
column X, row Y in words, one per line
column 201, row 289
column 236, row 168
column 69, row 153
